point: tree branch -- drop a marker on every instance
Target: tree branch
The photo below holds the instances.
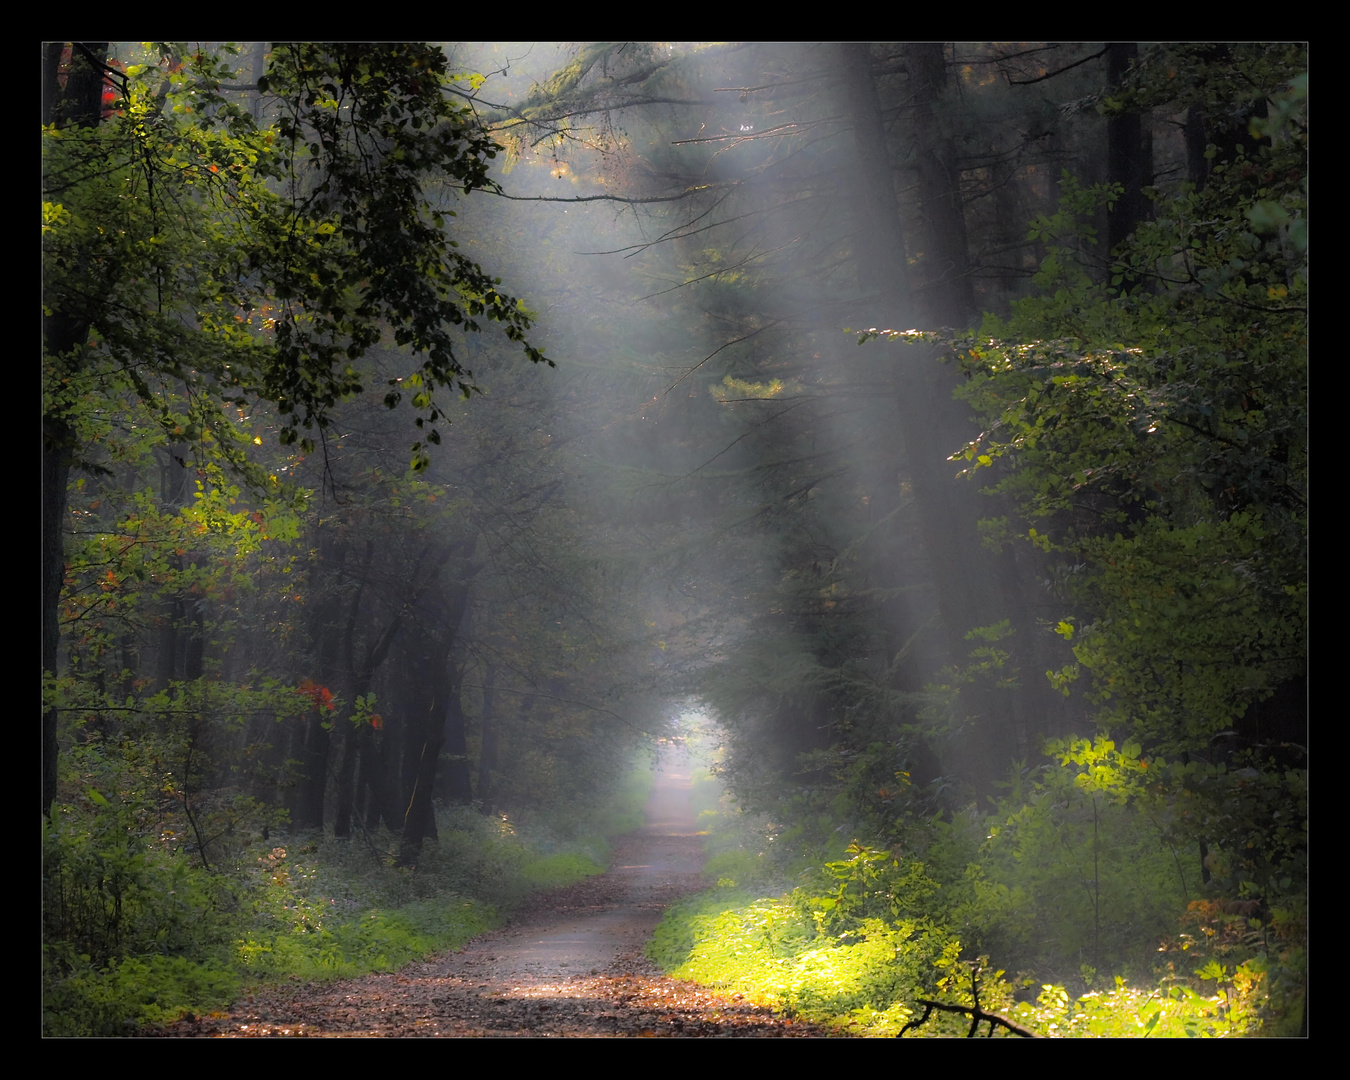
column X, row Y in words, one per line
column 1061, row 71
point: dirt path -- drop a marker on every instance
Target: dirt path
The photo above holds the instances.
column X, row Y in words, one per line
column 570, row 965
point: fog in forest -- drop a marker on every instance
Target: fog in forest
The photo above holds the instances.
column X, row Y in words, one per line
column 916, row 432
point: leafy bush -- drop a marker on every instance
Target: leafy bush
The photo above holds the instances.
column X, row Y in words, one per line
column 774, row 951
column 85, row 1000
column 738, row 867
column 137, row 931
column 357, row 942
column 1074, row 871
column 1171, row 1010
column 133, row 931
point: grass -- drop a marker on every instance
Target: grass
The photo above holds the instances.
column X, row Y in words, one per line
column 136, row 934
column 861, row 938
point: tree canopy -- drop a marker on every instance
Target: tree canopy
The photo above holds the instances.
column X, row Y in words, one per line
column 196, row 258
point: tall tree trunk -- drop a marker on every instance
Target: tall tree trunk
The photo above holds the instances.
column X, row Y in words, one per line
column 879, row 233
column 932, row 425
column 948, row 298
column 456, row 781
column 78, row 104
column 358, row 740
column 1197, row 141
column 487, row 754
column 437, row 694
column 1126, row 157
column 1228, row 132
column 326, row 635
column 352, row 746
column 378, row 790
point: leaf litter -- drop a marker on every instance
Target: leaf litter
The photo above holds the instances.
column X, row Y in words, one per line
column 570, row 964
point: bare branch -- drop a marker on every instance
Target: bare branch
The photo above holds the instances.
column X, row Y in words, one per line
column 1060, row 71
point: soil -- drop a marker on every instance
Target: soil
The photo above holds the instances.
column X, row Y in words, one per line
column 570, row 964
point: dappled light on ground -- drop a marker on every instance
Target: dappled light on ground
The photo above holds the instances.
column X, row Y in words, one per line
column 571, row 966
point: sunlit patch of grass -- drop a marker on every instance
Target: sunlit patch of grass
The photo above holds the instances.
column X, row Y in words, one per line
column 867, row 980
column 300, row 907
column 554, row 871
column 363, row 941
column 1172, row 1010
column 772, row 951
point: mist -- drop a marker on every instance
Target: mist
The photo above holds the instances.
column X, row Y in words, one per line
column 915, row 434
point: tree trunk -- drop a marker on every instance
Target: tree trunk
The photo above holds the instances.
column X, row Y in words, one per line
column 948, row 298
column 327, row 636
column 358, row 740
column 1126, row 159
column 932, row 425
column 437, row 708
column 487, row 754
column 456, row 783
column 1228, row 132
column 77, row 105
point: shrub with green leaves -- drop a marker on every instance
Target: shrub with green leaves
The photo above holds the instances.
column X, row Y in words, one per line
column 1172, row 1009
column 137, row 931
column 851, row 947
column 1076, row 871
column 133, row 931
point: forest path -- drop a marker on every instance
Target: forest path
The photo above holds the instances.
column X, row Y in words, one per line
column 569, row 965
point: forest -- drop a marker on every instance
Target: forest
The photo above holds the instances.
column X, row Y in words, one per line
column 435, row 434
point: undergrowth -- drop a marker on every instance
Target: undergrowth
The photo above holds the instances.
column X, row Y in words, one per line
column 138, row 932
column 856, row 938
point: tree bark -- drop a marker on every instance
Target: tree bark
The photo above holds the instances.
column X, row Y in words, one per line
column 487, row 754
column 326, row 634
column 948, row 298
column 1229, row 132
column 358, row 741
column 78, row 104
column 437, row 700
column 1127, row 163
column 932, row 425
column 456, row 786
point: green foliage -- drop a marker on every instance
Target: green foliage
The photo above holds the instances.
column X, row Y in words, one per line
column 134, row 931
column 854, row 944
column 1172, row 1010
column 1086, row 869
column 855, row 949
column 137, row 932
column 866, row 980
column 166, row 765
column 295, row 933
column 251, row 259
column 1183, row 537
column 1074, row 872
column 1077, row 870
column 107, row 892
column 364, row 131
column 870, row 883
column 771, row 951
column 1155, row 442
column 116, row 999
column 623, row 809
column 1254, row 819
column 1088, row 863
column 554, row 871
column 739, row 868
